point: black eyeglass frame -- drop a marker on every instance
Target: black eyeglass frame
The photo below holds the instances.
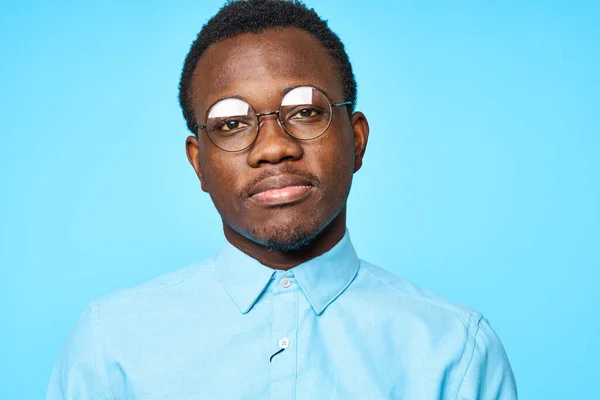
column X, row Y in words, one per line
column 258, row 125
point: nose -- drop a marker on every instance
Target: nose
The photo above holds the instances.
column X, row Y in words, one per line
column 273, row 145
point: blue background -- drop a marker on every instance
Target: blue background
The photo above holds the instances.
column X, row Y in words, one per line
column 481, row 179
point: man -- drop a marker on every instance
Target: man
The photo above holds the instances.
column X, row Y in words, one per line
column 286, row 310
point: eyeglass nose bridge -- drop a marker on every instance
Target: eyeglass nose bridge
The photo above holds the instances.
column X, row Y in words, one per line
column 260, row 123
column 267, row 113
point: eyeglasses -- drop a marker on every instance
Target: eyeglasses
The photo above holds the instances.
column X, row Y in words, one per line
column 305, row 113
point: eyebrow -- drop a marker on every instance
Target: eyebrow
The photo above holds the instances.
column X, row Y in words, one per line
column 283, row 93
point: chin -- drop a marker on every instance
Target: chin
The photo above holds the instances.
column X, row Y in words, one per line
column 287, row 231
column 288, row 247
column 287, row 236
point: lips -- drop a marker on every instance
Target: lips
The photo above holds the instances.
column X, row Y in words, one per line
column 280, row 189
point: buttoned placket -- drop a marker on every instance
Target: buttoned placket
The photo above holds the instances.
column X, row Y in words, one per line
column 283, row 365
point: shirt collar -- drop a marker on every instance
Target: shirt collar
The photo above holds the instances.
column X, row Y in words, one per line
column 322, row 278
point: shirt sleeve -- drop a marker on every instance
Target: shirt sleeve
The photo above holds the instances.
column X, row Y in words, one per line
column 76, row 371
column 489, row 375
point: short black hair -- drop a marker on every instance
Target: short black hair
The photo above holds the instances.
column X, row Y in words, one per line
column 254, row 16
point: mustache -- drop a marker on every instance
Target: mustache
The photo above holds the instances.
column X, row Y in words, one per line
column 285, row 170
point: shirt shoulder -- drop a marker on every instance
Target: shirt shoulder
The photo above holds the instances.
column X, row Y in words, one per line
column 170, row 287
column 413, row 295
column 87, row 367
column 444, row 333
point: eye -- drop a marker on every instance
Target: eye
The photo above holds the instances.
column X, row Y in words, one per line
column 230, row 126
column 307, row 114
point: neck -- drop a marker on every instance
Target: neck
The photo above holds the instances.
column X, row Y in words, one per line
column 285, row 260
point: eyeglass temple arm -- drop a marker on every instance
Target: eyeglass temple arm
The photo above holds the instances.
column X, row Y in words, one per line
column 341, row 104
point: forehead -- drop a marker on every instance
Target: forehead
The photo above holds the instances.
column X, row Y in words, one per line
column 260, row 67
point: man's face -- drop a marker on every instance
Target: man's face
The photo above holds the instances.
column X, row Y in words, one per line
column 280, row 192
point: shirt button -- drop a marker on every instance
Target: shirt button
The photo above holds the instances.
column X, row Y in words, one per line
column 286, row 282
column 284, row 343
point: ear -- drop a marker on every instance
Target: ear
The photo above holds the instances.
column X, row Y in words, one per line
column 192, row 151
column 360, row 126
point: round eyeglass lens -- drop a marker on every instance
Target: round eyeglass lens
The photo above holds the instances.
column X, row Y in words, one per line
column 231, row 124
column 305, row 112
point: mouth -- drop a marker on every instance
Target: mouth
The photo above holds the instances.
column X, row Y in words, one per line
column 281, row 190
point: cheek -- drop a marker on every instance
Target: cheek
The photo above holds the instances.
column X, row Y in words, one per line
column 221, row 175
column 335, row 161
column 339, row 155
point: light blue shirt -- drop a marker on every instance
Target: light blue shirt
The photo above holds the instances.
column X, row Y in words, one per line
column 229, row 327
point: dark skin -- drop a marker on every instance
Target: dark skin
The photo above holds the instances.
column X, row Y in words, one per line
column 258, row 68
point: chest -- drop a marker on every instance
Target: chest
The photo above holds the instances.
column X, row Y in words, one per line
column 281, row 350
